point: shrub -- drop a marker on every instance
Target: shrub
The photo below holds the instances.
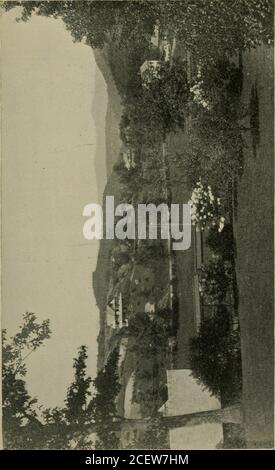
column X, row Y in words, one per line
column 214, row 280
column 215, row 356
column 214, row 149
column 166, row 96
column 222, row 243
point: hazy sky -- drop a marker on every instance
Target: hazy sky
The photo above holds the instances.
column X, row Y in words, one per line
column 48, row 150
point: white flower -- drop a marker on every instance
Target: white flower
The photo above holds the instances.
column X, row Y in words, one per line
column 221, row 226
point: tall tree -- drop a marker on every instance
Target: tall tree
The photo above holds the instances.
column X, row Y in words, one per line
column 103, row 407
column 78, row 392
column 215, row 356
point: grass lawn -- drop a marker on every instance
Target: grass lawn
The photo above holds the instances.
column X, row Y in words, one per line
column 254, row 241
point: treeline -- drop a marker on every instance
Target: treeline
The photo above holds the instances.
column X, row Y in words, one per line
column 219, row 26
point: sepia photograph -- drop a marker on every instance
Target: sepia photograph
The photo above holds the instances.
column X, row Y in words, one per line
column 137, row 226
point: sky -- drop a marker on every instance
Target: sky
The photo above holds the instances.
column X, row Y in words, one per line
column 49, row 144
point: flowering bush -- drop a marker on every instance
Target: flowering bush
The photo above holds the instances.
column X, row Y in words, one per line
column 198, row 92
column 199, row 96
column 205, row 208
column 214, row 280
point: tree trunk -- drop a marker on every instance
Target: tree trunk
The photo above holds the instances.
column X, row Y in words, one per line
column 231, row 414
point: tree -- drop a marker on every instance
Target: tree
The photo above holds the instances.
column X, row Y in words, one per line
column 203, row 26
column 66, row 428
column 215, row 356
column 21, row 426
column 220, row 27
column 129, row 181
column 149, row 345
column 165, row 97
column 102, row 408
column 57, row 432
column 157, row 107
column 97, row 22
column 78, row 392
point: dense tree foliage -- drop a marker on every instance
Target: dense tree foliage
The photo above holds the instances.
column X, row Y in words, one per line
column 215, row 356
column 96, row 22
column 201, row 25
column 70, row 427
column 79, row 390
column 102, row 408
column 149, row 344
column 157, row 108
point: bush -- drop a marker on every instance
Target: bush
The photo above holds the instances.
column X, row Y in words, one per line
column 214, row 279
column 222, row 244
column 215, row 356
column 157, row 108
column 166, row 96
column 214, row 148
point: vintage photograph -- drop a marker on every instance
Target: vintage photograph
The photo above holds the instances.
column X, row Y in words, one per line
column 137, row 263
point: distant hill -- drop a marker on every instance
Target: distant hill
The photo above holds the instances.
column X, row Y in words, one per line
column 107, row 155
column 113, row 115
column 101, row 276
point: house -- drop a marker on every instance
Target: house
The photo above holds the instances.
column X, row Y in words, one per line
column 150, row 69
column 155, row 38
column 123, row 345
column 166, row 49
column 116, row 315
column 186, row 396
column 150, row 308
column 128, row 156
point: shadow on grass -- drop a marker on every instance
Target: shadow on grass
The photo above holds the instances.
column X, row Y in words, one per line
column 254, row 119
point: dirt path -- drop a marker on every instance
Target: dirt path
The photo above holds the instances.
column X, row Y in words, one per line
column 184, row 261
